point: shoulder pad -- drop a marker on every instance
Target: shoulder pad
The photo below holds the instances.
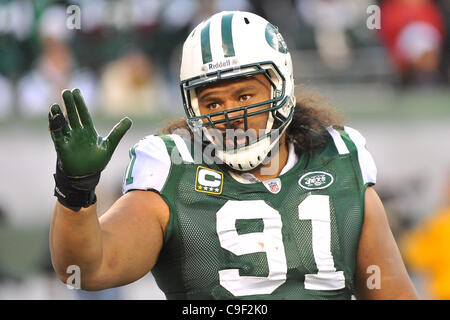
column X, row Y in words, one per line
column 352, row 141
column 151, row 160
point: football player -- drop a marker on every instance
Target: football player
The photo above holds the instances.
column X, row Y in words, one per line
column 255, row 196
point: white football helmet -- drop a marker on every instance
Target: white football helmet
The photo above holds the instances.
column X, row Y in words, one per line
column 230, row 45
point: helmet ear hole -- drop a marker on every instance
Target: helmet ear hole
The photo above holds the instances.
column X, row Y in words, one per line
column 246, row 21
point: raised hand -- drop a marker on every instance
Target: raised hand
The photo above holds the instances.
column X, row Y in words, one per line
column 80, row 150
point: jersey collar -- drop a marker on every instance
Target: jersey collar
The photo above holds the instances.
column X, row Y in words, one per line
column 248, row 178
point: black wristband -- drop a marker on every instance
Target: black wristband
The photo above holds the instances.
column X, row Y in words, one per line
column 75, row 192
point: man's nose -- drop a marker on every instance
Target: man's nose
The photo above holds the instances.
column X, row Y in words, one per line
column 233, row 110
column 230, row 121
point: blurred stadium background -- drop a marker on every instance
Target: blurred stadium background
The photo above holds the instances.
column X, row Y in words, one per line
column 391, row 84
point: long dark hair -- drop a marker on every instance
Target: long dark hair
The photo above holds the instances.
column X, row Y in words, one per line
column 307, row 131
column 312, row 114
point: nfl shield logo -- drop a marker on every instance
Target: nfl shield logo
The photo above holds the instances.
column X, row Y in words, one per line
column 273, row 185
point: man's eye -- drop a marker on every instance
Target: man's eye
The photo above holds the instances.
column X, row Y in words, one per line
column 245, row 97
column 213, row 106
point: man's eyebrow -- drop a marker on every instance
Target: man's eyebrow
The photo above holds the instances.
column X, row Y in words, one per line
column 237, row 91
column 247, row 87
column 243, row 89
column 206, row 96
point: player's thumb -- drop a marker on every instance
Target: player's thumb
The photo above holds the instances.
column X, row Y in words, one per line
column 118, row 132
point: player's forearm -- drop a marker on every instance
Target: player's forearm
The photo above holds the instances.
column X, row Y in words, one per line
column 76, row 239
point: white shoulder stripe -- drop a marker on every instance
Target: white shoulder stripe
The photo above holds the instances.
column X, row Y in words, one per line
column 338, row 141
column 182, row 148
column 366, row 162
column 151, row 165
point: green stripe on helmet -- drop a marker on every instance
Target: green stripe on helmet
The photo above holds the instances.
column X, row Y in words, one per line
column 274, row 38
column 227, row 37
column 206, row 44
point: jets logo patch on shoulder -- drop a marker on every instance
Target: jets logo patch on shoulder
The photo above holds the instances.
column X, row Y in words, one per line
column 316, row 180
column 208, row 180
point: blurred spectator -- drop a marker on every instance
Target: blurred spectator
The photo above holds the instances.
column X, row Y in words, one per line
column 130, row 85
column 54, row 69
column 330, row 20
column 44, row 83
column 412, row 31
column 427, row 250
column 16, row 31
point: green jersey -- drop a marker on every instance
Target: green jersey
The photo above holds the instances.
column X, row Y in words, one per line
column 292, row 237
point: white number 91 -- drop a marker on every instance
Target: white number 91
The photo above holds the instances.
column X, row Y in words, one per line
column 315, row 208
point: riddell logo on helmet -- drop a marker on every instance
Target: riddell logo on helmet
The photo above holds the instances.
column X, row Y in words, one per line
column 220, row 64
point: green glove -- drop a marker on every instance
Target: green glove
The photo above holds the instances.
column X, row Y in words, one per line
column 82, row 153
column 80, row 150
